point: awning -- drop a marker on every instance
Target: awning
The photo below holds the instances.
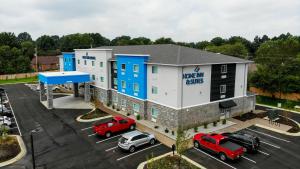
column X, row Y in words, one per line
column 227, row 104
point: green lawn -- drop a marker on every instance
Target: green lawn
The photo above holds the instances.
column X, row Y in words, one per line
column 286, row 104
column 23, row 80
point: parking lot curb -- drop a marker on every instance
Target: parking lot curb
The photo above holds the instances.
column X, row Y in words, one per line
column 92, row 120
column 142, row 165
column 278, row 131
column 273, row 107
column 19, row 156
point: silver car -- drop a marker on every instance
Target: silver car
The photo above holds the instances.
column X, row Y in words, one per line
column 131, row 140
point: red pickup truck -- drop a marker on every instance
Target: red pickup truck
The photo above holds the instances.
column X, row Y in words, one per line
column 117, row 124
column 219, row 144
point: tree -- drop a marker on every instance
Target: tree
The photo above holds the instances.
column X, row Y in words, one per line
column 140, row 41
column 24, row 36
column 45, row 42
column 121, row 41
column 28, row 49
column 9, row 39
column 164, row 40
column 278, row 66
column 237, row 50
column 181, row 143
column 218, row 41
column 75, row 41
column 99, row 40
column 202, row 45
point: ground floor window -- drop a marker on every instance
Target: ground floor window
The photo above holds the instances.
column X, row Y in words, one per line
column 123, row 103
column 115, row 99
column 154, row 114
column 135, row 108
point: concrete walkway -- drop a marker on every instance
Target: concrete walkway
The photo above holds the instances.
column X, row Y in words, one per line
column 70, row 102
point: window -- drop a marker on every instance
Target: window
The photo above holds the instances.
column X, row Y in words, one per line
column 114, row 65
column 222, row 89
column 93, row 63
column 115, row 81
column 123, row 84
column 136, row 87
column 123, row 67
column 136, row 107
column 84, row 62
column 154, row 112
column 102, row 79
column 123, row 102
column 223, row 68
column 123, row 121
column 93, row 77
column 154, row 69
column 78, row 61
column 136, row 68
column 101, row 64
column 154, row 90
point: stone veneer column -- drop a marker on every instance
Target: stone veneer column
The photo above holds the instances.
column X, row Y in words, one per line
column 75, row 87
column 42, row 91
column 87, row 94
column 49, row 96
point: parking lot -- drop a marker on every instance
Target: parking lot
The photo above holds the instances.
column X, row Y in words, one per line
column 66, row 143
column 14, row 127
column 276, row 151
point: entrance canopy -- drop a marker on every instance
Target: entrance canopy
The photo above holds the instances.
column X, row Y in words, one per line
column 227, row 104
column 63, row 77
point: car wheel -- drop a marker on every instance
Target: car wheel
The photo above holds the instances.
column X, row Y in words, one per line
column 132, row 149
column 152, row 141
column 245, row 149
column 132, row 127
column 108, row 134
column 223, row 157
column 196, row 144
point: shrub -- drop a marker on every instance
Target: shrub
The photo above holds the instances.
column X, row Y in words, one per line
column 173, row 133
column 107, row 104
column 195, row 129
column 118, row 109
column 224, row 121
column 156, row 127
column 138, row 117
column 166, row 130
column 113, row 106
column 215, row 123
column 128, row 114
column 205, row 125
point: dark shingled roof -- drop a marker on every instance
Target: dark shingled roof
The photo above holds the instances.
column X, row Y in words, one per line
column 175, row 54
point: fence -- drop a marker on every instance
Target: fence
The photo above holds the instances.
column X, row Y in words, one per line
column 18, row 76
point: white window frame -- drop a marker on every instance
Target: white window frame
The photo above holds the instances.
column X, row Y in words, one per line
column 123, row 103
column 115, row 81
column 152, row 114
column 222, row 89
column 115, row 65
column 93, row 63
column 136, row 107
column 152, row 90
column 223, row 68
column 123, row 82
column 101, row 64
column 84, row 62
column 152, row 69
column 138, row 68
column 78, row 61
column 122, row 67
column 93, row 77
column 101, row 79
column 134, row 87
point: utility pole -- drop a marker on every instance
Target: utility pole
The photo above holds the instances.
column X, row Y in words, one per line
column 36, row 59
column 32, row 150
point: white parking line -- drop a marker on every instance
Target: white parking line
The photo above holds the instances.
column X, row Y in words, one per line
column 270, row 144
column 92, row 134
column 108, row 139
column 263, row 152
column 111, row 148
column 249, row 159
column 13, row 114
column 86, row 128
column 14, row 128
column 215, row 158
column 138, row 152
column 269, row 135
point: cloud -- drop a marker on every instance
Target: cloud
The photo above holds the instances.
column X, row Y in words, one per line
column 182, row 20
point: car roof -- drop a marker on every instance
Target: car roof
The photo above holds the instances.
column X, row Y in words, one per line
column 216, row 136
column 118, row 118
column 131, row 134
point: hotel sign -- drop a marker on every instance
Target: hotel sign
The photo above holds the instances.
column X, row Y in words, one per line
column 193, row 78
column 88, row 57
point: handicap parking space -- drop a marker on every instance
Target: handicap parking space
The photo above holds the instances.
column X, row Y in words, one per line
column 276, row 151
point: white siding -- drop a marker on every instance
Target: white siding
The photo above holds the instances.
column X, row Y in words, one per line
column 61, row 63
column 167, row 82
column 101, row 56
column 240, row 80
column 196, row 94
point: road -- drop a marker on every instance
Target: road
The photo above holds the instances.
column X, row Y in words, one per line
column 62, row 144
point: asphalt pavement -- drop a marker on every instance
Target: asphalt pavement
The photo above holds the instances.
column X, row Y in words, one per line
column 62, row 144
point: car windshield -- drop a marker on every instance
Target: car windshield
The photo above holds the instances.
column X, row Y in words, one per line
column 222, row 141
column 123, row 139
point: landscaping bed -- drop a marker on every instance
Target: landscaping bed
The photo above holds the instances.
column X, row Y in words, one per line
column 94, row 114
column 286, row 104
column 170, row 162
column 295, row 128
column 9, row 148
column 250, row 115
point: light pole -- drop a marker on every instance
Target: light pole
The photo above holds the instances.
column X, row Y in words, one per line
column 2, row 106
column 32, row 145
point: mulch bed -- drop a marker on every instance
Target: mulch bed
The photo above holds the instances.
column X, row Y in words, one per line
column 250, row 115
column 94, row 114
column 9, row 148
column 295, row 128
column 170, row 162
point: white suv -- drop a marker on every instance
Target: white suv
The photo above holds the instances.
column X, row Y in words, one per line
column 4, row 120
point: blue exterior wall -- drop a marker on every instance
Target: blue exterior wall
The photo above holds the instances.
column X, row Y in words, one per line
column 64, row 79
column 69, row 61
column 131, row 77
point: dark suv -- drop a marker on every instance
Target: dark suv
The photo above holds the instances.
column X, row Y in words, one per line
column 250, row 142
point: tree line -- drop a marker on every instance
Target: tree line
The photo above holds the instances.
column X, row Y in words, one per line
column 277, row 58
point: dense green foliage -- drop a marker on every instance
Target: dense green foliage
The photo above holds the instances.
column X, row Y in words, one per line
column 286, row 104
column 278, row 66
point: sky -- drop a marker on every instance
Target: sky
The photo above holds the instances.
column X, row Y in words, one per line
column 182, row 20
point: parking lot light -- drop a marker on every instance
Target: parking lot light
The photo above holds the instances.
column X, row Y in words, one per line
column 37, row 130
